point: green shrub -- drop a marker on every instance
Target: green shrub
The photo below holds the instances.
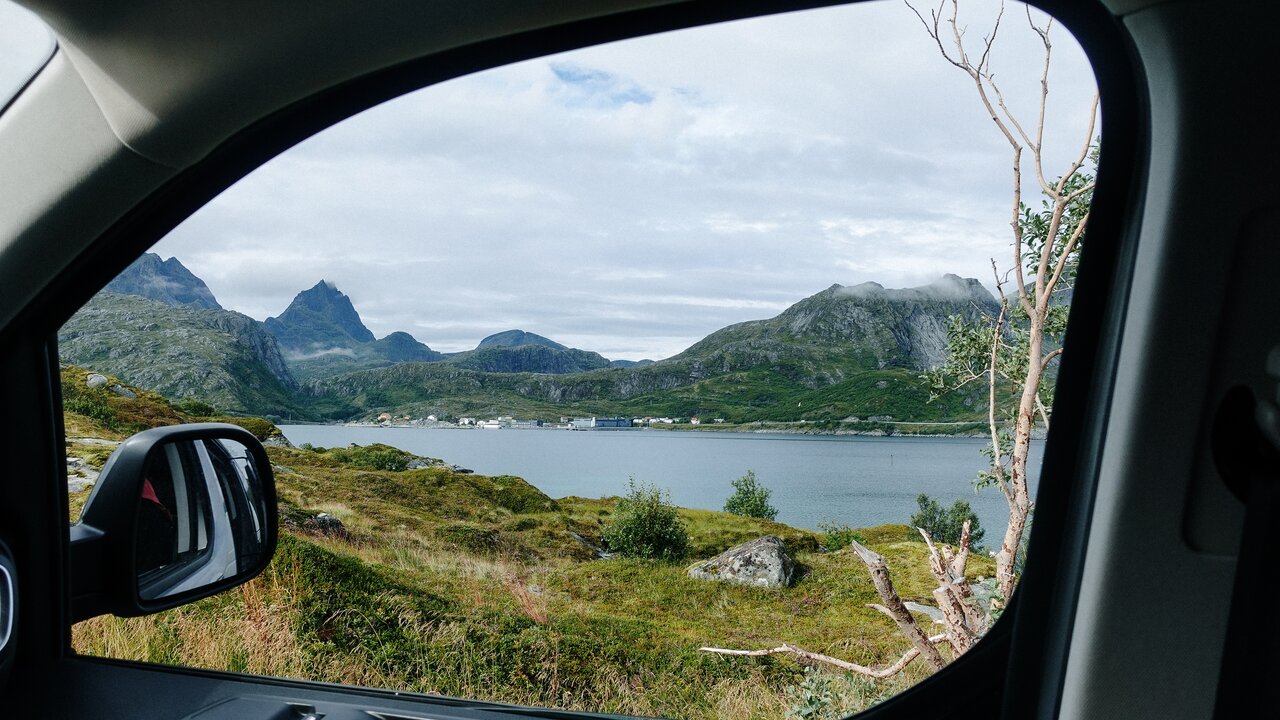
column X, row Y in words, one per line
column 469, row 537
column 824, row 696
column 90, row 402
column 196, row 408
column 261, row 429
column 750, row 498
column 646, row 525
column 836, row 536
column 373, row 457
column 944, row 525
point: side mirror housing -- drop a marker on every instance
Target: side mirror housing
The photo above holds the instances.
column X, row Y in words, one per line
column 8, row 610
column 178, row 513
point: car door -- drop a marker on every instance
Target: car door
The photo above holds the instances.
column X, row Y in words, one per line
column 117, row 180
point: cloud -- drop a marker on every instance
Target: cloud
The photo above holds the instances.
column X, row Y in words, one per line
column 726, row 224
column 638, row 196
column 342, row 352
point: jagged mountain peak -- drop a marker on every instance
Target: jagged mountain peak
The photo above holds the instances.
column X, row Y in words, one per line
column 166, row 281
column 319, row 318
column 949, row 287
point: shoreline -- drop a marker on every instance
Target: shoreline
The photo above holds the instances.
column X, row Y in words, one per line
column 878, row 429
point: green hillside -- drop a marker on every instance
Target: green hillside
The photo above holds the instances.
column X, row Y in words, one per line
column 845, row 352
column 219, row 357
column 446, row 582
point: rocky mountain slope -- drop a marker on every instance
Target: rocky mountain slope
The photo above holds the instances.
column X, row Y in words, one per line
column 318, row 319
column 322, row 335
column 517, row 351
column 843, row 352
column 216, row 356
column 517, row 338
column 822, row 338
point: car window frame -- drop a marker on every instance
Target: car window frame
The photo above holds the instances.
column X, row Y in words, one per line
column 1040, row 611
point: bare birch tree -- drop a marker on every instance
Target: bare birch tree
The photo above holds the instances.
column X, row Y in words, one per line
column 1018, row 347
column 1012, row 352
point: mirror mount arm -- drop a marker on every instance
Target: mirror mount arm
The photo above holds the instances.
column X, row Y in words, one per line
column 89, row 583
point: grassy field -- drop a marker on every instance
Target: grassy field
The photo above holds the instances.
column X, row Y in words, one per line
column 473, row 586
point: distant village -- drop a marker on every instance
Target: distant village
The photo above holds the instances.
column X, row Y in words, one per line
column 507, row 422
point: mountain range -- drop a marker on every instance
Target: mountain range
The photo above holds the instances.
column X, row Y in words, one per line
column 845, row 351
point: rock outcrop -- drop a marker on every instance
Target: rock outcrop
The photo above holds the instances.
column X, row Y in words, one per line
column 762, row 562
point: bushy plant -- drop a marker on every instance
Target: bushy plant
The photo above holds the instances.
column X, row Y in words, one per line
column 824, row 696
column 750, row 498
column 89, row 402
column 646, row 525
column 836, row 536
column 813, row 697
column 944, row 524
column 261, row 428
column 373, row 457
column 196, row 408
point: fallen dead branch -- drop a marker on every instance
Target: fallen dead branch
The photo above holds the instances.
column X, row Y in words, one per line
column 788, row 649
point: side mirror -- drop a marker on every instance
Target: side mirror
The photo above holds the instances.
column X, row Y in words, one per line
column 178, row 513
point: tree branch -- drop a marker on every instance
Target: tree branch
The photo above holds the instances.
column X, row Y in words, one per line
column 1044, row 94
column 787, row 648
column 1088, row 142
column 1044, row 411
column 934, row 32
column 997, row 467
column 1069, row 248
column 906, row 622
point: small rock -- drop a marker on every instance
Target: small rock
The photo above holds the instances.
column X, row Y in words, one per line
column 595, row 551
column 417, row 464
column 325, row 524
column 95, row 380
column 277, row 441
column 80, row 474
column 762, row 562
column 123, row 391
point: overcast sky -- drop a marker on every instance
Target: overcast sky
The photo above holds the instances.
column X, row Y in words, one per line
column 634, row 197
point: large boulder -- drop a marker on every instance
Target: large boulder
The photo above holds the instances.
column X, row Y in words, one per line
column 762, row 562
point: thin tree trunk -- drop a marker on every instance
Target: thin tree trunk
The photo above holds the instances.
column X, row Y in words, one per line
column 894, row 607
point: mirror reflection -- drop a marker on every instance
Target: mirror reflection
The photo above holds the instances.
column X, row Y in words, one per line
column 201, row 516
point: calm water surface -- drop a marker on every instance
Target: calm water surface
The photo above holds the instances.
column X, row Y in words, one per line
column 860, row 481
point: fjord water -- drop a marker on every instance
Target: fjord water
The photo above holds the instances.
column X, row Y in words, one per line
column 855, row 480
